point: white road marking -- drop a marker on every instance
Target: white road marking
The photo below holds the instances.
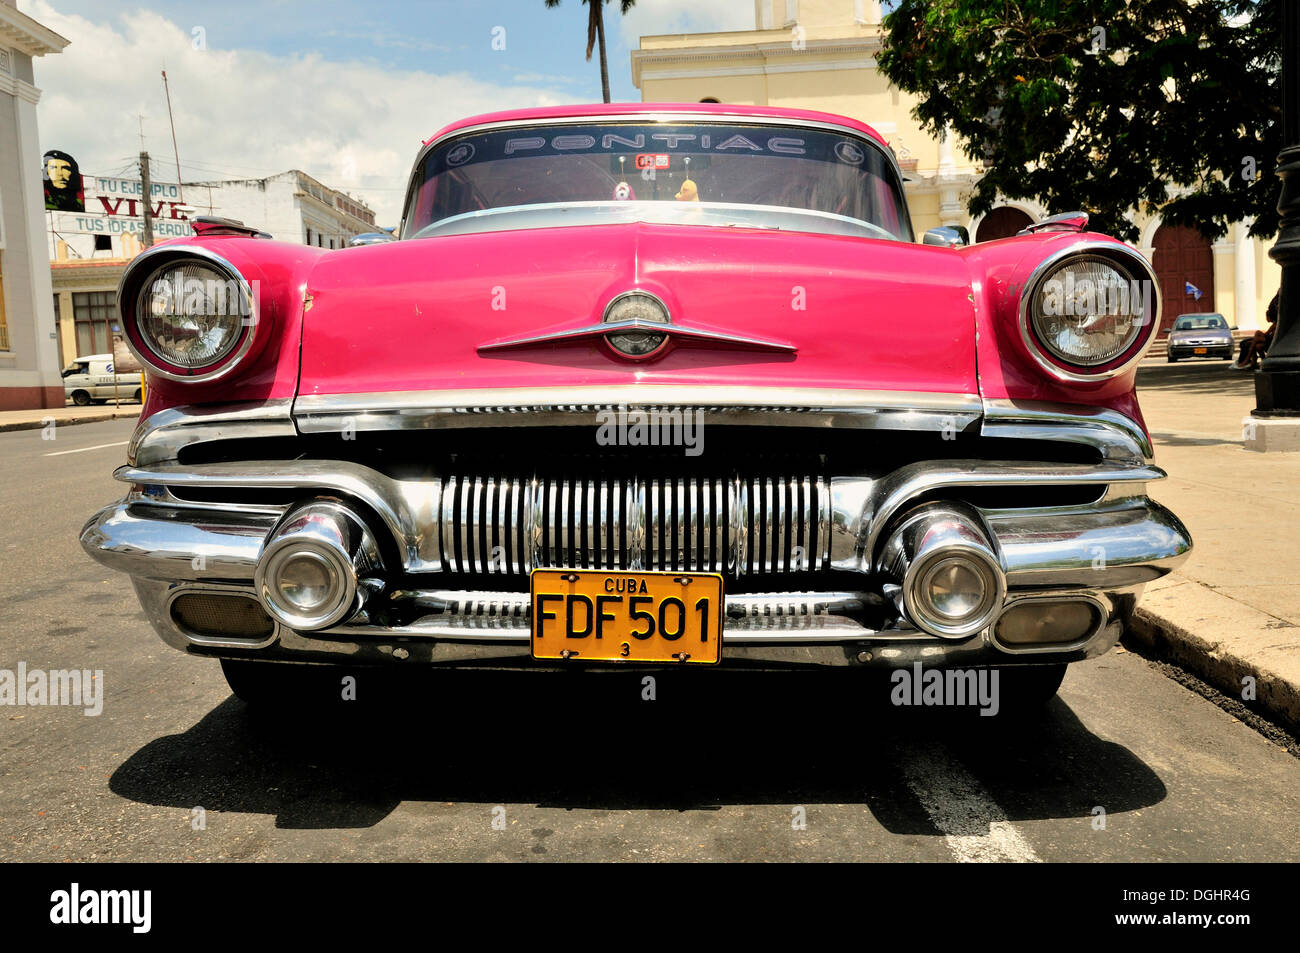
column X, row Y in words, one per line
column 120, row 443
column 975, row 828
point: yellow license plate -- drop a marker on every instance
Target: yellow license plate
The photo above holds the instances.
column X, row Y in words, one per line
column 592, row 615
column 1200, row 350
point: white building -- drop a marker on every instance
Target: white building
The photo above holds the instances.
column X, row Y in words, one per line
column 89, row 251
column 292, row 206
column 29, row 368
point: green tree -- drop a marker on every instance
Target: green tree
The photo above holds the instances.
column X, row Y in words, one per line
column 1103, row 105
column 596, row 34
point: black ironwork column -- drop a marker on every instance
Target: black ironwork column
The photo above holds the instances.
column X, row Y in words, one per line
column 1277, row 384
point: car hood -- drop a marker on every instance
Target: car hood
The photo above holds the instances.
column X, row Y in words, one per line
column 1203, row 334
column 827, row 311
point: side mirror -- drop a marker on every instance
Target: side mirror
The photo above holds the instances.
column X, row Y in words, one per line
column 946, row 236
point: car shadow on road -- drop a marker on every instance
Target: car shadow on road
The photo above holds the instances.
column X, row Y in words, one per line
column 583, row 741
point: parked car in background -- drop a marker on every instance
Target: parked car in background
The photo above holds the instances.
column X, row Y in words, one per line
column 1200, row 335
column 370, row 238
column 92, row 379
column 650, row 386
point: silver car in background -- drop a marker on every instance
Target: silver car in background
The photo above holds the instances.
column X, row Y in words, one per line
column 1200, row 335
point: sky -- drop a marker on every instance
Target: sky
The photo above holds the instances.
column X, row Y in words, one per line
column 344, row 90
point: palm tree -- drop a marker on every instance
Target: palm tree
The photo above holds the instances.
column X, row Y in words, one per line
column 596, row 33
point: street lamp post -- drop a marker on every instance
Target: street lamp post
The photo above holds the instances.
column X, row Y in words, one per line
column 1277, row 384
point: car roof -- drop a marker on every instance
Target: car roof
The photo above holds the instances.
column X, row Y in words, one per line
column 92, row 357
column 720, row 110
column 1200, row 314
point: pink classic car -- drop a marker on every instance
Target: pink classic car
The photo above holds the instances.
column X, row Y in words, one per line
column 642, row 385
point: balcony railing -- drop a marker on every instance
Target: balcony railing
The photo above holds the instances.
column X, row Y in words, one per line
column 4, row 337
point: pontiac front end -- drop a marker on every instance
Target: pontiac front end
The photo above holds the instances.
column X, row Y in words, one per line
column 566, row 430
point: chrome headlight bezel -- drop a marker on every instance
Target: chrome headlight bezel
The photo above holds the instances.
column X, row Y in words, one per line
column 1124, row 260
column 133, row 298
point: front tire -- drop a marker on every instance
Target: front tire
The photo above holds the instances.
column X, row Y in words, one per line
column 1026, row 689
column 1172, row 359
column 268, row 685
column 81, row 398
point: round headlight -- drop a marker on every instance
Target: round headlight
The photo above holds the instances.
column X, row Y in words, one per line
column 192, row 315
column 1089, row 310
column 642, row 308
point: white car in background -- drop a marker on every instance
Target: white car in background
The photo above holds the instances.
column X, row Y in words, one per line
column 91, row 379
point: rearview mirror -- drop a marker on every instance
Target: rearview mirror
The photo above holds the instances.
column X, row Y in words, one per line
column 947, row 236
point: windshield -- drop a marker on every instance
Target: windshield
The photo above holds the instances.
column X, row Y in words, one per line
column 730, row 172
column 1200, row 322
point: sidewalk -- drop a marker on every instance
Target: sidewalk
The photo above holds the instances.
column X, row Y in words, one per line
column 1233, row 609
column 64, row 416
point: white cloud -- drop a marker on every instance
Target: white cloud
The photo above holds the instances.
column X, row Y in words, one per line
column 356, row 126
column 656, row 17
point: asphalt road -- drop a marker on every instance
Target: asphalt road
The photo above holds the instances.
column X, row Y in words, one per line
column 574, row 767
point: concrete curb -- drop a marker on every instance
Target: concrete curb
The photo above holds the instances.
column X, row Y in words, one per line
column 5, row 427
column 1223, row 641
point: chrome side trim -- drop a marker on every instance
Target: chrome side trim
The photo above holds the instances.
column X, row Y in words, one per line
column 160, row 437
column 158, row 542
column 894, row 491
column 406, row 508
column 578, row 406
column 1117, row 438
column 1131, row 542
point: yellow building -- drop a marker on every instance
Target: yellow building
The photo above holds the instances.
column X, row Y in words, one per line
column 821, row 54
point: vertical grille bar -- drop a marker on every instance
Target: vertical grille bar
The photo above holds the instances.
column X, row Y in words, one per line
column 734, row 524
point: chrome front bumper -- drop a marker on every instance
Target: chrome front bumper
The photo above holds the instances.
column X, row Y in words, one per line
column 1102, row 554
column 174, row 536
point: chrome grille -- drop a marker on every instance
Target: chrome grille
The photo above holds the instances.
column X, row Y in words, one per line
column 728, row 524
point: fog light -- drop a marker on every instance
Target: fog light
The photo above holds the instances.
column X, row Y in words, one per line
column 954, row 588
column 307, row 581
column 1040, row 622
column 950, row 581
column 307, row 577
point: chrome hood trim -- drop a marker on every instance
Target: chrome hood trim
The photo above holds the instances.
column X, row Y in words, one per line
column 576, row 405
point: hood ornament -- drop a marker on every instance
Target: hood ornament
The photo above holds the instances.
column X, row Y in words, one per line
column 637, row 325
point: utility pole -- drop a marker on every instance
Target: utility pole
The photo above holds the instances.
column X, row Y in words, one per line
column 1277, row 383
column 146, row 188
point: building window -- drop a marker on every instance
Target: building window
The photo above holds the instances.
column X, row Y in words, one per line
column 104, row 243
column 94, row 313
column 4, row 326
column 309, row 236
